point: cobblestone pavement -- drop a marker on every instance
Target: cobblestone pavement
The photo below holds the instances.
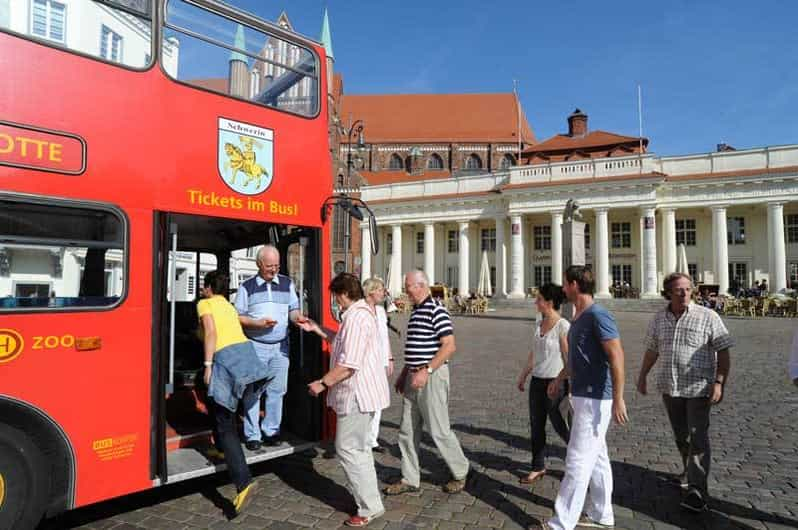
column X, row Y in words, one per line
column 754, row 477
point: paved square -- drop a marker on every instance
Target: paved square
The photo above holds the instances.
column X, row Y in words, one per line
column 753, row 480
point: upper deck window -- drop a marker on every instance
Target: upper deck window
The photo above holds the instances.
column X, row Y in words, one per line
column 227, row 56
column 91, row 27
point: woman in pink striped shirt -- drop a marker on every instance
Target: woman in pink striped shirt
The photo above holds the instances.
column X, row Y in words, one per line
column 357, row 389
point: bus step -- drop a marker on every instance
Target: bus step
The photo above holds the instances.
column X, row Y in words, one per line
column 191, row 462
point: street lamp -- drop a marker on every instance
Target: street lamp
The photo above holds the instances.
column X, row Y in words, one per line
column 356, row 127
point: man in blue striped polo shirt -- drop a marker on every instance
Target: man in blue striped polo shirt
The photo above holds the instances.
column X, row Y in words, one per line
column 265, row 303
column 424, row 385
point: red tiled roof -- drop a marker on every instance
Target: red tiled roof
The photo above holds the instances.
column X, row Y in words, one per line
column 592, row 140
column 375, row 178
column 424, row 118
column 217, row 84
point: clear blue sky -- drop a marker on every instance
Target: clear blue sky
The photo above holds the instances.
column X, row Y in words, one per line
column 710, row 71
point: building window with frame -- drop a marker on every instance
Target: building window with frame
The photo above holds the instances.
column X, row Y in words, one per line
column 791, row 228
column 507, row 162
column 692, row 271
column 735, row 231
column 542, row 237
column 452, row 241
column 488, row 239
column 451, row 276
column 389, row 244
column 435, row 162
column 793, row 270
column 48, row 20
column 587, row 236
column 738, row 272
column 621, row 235
column 542, row 275
column 419, row 242
column 685, row 232
column 473, row 162
column 110, row 45
column 622, row 274
column 396, row 163
column 340, row 219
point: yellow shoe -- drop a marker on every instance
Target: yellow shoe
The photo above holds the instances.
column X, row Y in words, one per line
column 214, row 454
column 244, row 497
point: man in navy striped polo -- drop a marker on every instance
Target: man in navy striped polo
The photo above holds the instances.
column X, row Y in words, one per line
column 424, row 385
column 266, row 303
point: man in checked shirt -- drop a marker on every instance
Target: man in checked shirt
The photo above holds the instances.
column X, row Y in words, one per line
column 693, row 345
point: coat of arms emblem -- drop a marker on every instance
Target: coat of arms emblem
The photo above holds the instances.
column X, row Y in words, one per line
column 246, row 156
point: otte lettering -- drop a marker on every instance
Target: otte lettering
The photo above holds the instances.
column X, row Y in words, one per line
column 29, row 148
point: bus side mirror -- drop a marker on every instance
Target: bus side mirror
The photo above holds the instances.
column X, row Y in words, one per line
column 375, row 242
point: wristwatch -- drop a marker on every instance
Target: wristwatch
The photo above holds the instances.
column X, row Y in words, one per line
column 429, row 370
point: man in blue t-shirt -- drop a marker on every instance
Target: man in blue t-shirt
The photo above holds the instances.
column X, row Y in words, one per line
column 595, row 363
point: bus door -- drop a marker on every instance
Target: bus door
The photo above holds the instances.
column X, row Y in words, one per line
column 300, row 259
column 189, row 246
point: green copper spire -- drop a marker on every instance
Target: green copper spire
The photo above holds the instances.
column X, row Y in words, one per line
column 241, row 44
column 325, row 38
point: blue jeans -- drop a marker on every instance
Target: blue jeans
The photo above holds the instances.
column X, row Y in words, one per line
column 275, row 357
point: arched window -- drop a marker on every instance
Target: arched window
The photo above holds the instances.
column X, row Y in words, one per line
column 507, row 161
column 435, row 162
column 340, row 181
column 409, row 164
column 396, row 162
column 473, row 162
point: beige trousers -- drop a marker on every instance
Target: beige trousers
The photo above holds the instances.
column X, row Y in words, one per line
column 353, row 447
column 430, row 406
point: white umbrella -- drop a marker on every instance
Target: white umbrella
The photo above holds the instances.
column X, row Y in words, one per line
column 484, row 287
column 389, row 281
column 681, row 260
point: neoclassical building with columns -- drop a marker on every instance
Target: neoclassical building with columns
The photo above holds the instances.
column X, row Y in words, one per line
column 736, row 212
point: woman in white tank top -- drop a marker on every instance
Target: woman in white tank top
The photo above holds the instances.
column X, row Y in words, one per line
column 547, row 357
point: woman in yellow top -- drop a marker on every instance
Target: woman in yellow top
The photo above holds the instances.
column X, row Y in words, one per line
column 232, row 371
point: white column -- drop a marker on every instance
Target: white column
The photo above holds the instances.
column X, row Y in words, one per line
column 601, row 258
column 396, row 261
column 777, row 268
column 669, row 252
column 556, row 247
column 365, row 251
column 721, row 250
column 517, row 257
column 464, row 255
column 429, row 251
column 649, row 242
column 500, row 289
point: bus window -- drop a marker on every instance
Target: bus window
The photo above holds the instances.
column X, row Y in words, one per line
column 60, row 256
column 87, row 26
column 222, row 55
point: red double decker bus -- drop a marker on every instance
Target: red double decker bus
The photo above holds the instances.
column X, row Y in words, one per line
column 142, row 143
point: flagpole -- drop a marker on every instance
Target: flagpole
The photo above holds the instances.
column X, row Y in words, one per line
column 640, row 123
column 518, row 118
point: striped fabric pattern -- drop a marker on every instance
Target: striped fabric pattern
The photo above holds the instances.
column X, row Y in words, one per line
column 429, row 323
column 356, row 346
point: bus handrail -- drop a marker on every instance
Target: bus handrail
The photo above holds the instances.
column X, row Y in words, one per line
column 170, row 385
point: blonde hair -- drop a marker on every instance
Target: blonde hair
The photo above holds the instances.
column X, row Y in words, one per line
column 372, row 284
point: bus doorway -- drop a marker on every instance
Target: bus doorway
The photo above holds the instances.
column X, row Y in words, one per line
column 188, row 247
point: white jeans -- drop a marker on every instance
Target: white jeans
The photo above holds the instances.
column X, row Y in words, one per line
column 375, row 429
column 586, row 464
column 354, row 452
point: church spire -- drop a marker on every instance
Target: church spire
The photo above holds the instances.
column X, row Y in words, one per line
column 240, row 43
column 325, row 38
